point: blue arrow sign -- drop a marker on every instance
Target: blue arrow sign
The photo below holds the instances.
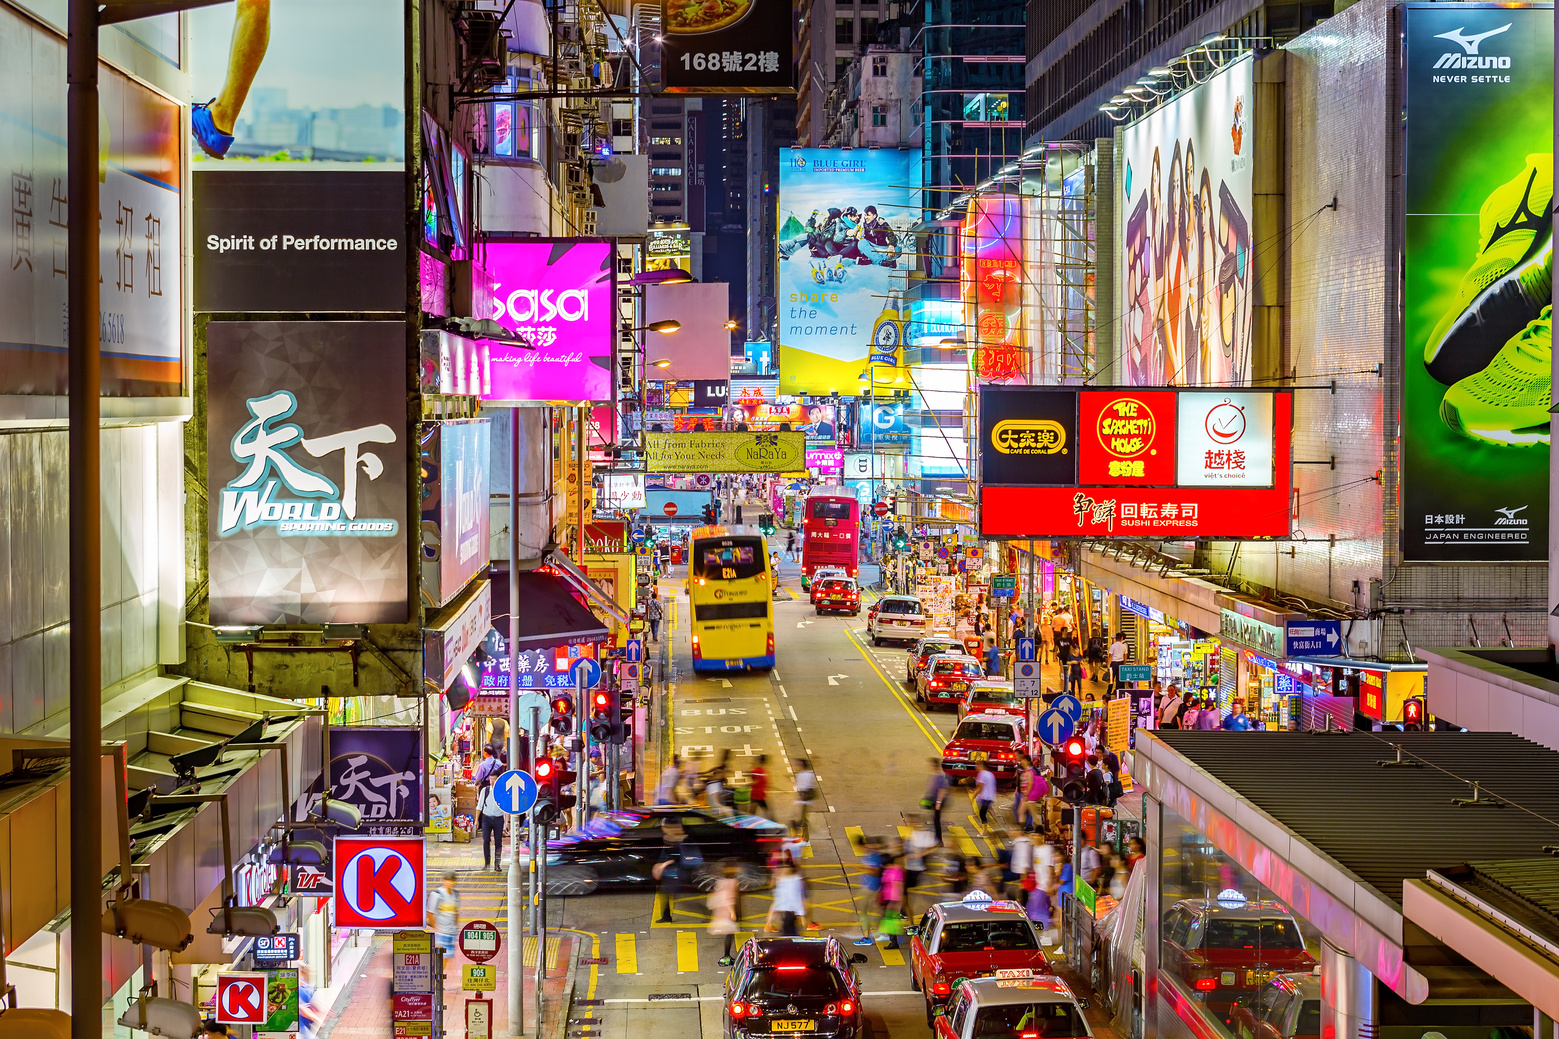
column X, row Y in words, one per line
column 635, row 650
column 515, row 792
column 1068, row 705
column 1054, row 727
column 1313, row 638
column 638, row 535
column 585, row 672
column 1025, row 649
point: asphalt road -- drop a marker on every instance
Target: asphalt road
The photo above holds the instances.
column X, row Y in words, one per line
column 831, row 698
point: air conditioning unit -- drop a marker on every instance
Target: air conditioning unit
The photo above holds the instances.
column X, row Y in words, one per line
column 486, row 48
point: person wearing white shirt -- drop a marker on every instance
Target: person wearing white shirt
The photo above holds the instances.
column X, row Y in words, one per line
column 1118, row 652
column 984, row 791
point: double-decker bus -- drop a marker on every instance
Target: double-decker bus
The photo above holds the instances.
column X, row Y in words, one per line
column 730, row 591
column 830, row 535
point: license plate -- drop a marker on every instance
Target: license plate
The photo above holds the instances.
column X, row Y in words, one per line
column 979, row 755
column 795, row 1026
column 733, row 663
column 960, row 687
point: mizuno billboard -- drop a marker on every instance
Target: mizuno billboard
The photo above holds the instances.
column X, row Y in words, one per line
column 307, row 472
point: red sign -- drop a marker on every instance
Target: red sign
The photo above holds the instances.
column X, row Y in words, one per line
column 411, row 1007
column 479, row 939
column 1372, row 695
column 379, row 882
column 1126, row 437
column 241, row 999
column 880, row 509
column 670, row 509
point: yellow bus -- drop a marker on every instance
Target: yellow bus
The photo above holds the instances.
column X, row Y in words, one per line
column 730, row 590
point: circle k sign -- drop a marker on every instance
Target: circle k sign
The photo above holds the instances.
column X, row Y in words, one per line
column 379, row 882
column 241, row 999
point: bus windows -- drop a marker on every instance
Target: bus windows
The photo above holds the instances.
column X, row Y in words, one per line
column 830, row 510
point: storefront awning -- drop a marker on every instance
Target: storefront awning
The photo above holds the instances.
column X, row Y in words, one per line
column 1356, row 665
column 586, row 587
column 550, row 616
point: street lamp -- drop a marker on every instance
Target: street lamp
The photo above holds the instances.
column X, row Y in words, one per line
column 664, row 362
column 665, row 327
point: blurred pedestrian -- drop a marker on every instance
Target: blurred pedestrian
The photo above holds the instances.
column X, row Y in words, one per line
column 1118, row 651
column 806, row 792
column 984, row 790
column 758, row 790
column 1237, row 721
column 490, row 819
column 725, row 909
column 668, row 871
column 870, row 903
column 917, row 847
column 893, row 893
column 936, row 794
column 443, row 911
column 1207, row 719
column 666, row 789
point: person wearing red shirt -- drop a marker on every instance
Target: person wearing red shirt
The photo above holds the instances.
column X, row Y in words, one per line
column 759, row 791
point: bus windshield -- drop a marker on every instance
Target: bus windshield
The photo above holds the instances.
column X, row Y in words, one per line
column 727, row 559
column 826, row 509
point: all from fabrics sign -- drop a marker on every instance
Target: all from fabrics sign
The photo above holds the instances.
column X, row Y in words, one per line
column 307, row 472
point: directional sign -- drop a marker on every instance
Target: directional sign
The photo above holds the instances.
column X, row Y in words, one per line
column 1068, row 705
column 241, row 999
column 379, row 882
column 1313, row 638
column 670, row 509
column 478, row 979
column 1136, row 672
column 1054, row 727
column 638, row 536
column 1025, row 649
column 480, row 941
column 585, row 671
column 275, row 950
column 634, row 651
column 515, row 791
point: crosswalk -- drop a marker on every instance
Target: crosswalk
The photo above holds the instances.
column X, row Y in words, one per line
column 696, row 952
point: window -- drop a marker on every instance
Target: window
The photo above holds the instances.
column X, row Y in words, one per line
column 622, row 127
column 669, row 141
column 994, row 731
column 665, row 171
column 509, row 124
column 1037, row 1019
column 1001, row 935
column 844, row 30
column 879, row 66
column 879, row 115
column 868, row 29
column 841, row 66
column 731, row 611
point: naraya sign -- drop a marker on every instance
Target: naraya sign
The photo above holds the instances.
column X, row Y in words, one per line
column 307, row 465
column 725, row 452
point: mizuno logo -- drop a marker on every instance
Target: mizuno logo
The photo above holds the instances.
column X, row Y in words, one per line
column 1470, row 58
column 1508, row 517
column 1469, row 44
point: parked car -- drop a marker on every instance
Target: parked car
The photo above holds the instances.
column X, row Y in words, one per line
column 896, row 618
column 1220, row 950
column 957, row 940
column 801, row 985
column 926, row 648
column 1015, row 1007
column 1287, row 1007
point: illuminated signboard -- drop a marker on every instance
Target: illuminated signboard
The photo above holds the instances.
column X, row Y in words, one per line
column 557, row 295
column 1126, row 437
column 993, row 287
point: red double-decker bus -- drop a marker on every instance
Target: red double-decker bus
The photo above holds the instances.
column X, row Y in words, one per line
column 830, row 535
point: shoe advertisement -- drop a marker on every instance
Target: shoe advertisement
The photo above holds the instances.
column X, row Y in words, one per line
column 298, row 153
column 1477, row 321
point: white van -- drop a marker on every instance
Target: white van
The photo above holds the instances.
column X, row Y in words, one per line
column 896, row 618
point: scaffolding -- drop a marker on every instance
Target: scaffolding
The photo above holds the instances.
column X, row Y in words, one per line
column 1060, row 224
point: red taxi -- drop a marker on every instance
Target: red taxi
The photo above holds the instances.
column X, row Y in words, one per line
column 837, row 595
column 1006, row 1007
column 946, row 678
column 923, row 650
column 991, row 696
column 995, row 739
column 1219, row 951
column 957, row 940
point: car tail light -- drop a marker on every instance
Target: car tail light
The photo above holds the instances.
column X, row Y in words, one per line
column 844, row 1008
column 941, row 988
column 771, row 643
column 746, row 1010
column 1206, row 984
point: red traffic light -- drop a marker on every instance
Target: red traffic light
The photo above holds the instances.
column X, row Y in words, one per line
column 563, row 705
column 1412, row 711
column 602, row 700
column 1074, row 748
column 543, row 770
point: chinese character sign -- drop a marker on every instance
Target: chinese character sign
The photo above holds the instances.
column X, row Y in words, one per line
column 727, row 47
column 141, row 327
column 307, row 468
column 993, row 287
column 379, row 772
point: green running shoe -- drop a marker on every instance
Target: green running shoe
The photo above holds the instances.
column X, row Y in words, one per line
column 1507, row 403
column 1509, row 283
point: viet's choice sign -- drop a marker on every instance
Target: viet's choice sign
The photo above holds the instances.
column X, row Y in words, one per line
column 845, row 253
column 557, row 294
column 725, row 452
column 1133, row 461
column 1478, row 256
column 307, row 451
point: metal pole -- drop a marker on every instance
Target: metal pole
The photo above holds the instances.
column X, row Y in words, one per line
column 582, row 768
column 541, row 926
column 86, row 672
column 536, row 752
column 516, row 906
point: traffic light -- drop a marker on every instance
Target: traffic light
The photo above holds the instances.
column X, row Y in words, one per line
column 603, row 706
column 624, row 718
column 1413, row 715
column 709, row 514
column 551, row 802
column 563, row 714
column 1074, row 778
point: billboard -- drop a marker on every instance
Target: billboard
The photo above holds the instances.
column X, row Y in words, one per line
column 818, row 420
column 558, row 295
column 299, row 157
column 306, row 427
column 1129, row 462
column 455, row 464
column 377, row 770
column 140, row 232
column 724, row 452
column 701, row 348
column 1478, row 241
column 727, row 47
column 1185, row 308
column 882, row 424
column 845, row 255
column 992, row 277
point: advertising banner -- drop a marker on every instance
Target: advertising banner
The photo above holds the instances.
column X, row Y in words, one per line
column 668, row 250
column 1061, row 462
column 845, row 254
column 1185, row 308
column 306, row 423
column 724, row 452
column 141, row 329
column 701, row 348
column 455, row 463
column 299, row 158
column 882, row 425
column 818, row 421
column 378, row 770
column 727, row 47
column 711, row 393
column 825, row 459
column 558, row 295
column 992, row 275
column 1478, row 241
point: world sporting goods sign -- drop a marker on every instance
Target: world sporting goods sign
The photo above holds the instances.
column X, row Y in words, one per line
column 379, row 882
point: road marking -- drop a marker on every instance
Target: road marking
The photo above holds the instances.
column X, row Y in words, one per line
column 627, row 954
column 687, row 952
column 965, row 844
column 936, row 739
column 857, row 838
column 891, row 957
column 793, row 713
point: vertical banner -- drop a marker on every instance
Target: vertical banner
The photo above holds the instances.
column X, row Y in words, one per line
column 1478, row 243
column 1185, row 307
column 306, row 427
column 455, row 464
column 993, row 287
column 557, row 296
column 377, row 770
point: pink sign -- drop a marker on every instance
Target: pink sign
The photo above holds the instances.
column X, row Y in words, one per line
column 825, row 459
column 557, row 293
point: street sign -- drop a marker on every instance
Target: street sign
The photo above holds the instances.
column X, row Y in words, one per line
column 241, row 999
column 634, row 651
column 1313, row 638
column 515, row 791
column 479, row 1019
column 1054, row 727
column 379, row 882
column 1068, row 705
column 411, row 962
column 271, row 950
column 642, row 550
column 1026, row 670
column 1028, row 688
column 1136, row 672
column 638, row 536
column 880, row 509
column 633, row 673
column 478, row 978
column 1025, row 649
column 480, row 941
column 1004, row 586
column 670, row 509
column 584, row 671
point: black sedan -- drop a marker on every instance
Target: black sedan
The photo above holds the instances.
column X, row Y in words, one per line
column 620, row 849
column 805, row 985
